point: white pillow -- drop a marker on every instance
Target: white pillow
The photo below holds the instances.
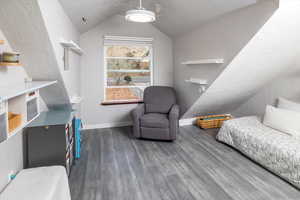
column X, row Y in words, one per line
column 288, row 105
column 286, row 121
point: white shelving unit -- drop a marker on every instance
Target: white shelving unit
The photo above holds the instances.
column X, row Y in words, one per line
column 22, row 100
column 70, row 45
column 204, row 61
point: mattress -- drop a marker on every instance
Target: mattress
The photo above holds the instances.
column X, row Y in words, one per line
column 276, row 151
column 43, row 183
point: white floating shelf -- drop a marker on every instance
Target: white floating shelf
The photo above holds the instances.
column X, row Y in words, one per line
column 72, row 46
column 67, row 47
column 12, row 91
column 197, row 81
column 204, row 61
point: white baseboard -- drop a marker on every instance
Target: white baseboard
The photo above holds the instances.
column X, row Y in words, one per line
column 182, row 122
column 187, row 121
column 106, row 125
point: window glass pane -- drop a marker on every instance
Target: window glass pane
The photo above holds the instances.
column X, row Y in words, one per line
column 119, row 94
column 117, row 63
column 128, row 51
column 128, row 72
column 142, row 79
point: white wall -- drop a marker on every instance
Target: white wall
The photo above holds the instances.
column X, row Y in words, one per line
column 223, row 37
column 59, row 27
column 286, row 86
column 92, row 76
column 270, row 55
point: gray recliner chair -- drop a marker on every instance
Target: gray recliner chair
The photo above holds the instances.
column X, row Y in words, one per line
column 158, row 117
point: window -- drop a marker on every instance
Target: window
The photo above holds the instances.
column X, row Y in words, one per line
column 128, row 67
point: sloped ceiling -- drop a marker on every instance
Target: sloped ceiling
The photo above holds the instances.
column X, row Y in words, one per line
column 24, row 28
column 271, row 54
column 175, row 17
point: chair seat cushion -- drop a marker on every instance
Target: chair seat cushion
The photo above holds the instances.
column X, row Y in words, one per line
column 155, row 120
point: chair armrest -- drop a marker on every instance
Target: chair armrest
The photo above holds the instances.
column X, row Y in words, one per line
column 174, row 113
column 174, row 121
column 138, row 111
column 136, row 114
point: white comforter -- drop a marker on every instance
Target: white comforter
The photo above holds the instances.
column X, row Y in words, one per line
column 277, row 151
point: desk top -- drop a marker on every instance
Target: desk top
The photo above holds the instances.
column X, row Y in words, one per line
column 53, row 117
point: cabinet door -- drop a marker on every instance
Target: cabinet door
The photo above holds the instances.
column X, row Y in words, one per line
column 46, row 146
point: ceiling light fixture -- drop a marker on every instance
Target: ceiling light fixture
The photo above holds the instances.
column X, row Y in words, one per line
column 140, row 15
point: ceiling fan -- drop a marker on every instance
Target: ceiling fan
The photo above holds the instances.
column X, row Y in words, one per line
column 140, row 14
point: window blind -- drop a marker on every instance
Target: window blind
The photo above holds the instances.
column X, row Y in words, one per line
column 118, row 40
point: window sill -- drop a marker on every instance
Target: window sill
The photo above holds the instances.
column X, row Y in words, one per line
column 109, row 103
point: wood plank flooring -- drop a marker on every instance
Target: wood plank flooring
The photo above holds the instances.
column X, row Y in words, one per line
column 114, row 166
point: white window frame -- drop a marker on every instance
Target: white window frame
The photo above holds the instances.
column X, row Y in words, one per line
column 126, row 41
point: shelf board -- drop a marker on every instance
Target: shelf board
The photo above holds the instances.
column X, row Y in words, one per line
column 4, row 64
column 204, row 61
column 2, row 42
column 12, row 91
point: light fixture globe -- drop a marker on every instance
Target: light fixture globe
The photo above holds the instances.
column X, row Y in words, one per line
column 140, row 15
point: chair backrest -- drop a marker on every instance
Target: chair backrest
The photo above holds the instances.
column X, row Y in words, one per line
column 159, row 99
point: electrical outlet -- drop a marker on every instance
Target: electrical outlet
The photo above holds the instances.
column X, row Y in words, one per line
column 11, row 176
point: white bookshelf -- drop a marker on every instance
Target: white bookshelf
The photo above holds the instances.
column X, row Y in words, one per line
column 23, row 100
column 204, row 61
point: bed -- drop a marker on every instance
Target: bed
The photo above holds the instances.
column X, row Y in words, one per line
column 276, row 151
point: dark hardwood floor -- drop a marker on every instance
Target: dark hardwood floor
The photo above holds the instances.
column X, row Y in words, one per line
column 115, row 166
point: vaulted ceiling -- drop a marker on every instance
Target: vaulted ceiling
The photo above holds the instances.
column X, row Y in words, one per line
column 175, row 17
